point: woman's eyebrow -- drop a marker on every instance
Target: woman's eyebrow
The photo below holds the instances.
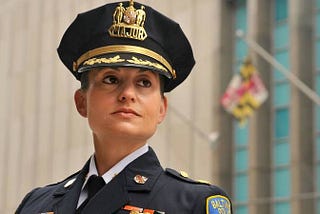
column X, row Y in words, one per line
column 142, row 70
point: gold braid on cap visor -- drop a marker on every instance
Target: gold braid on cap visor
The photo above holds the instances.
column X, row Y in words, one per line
column 124, row 49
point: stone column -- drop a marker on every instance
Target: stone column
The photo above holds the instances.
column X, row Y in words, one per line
column 223, row 65
column 259, row 25
column 301, row 108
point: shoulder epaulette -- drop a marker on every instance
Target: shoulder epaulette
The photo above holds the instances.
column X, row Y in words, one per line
column 182, row 175
column 71, row 177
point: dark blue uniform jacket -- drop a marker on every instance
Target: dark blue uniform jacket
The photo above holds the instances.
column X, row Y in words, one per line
column 165, row 191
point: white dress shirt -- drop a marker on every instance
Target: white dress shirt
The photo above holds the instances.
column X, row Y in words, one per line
column 111, row 173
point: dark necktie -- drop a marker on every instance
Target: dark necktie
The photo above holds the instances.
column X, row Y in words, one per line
column 94, row 184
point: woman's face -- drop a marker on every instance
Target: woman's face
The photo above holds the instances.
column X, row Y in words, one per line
column 122, row 102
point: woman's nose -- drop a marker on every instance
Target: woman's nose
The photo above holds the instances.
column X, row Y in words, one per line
column 127, row 93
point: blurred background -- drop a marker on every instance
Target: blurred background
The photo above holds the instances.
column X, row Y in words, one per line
column 268, row 160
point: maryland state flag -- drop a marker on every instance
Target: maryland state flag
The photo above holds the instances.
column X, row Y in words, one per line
column 245, row 93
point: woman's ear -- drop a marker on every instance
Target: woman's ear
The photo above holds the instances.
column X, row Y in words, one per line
column 163, row 109
column 81, row 102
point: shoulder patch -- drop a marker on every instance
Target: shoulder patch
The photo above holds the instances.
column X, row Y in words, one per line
column 183, row 176
column 217, row 204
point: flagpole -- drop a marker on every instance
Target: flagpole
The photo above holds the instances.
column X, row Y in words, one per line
column 289, row 75
column 210, row 137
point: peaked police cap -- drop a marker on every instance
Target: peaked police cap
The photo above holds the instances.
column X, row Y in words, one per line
column 127, row 34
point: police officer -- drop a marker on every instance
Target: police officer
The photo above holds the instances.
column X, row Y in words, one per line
column 126, row 55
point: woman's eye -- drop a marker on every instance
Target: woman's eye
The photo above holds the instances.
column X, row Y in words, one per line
column 110, row 80
column 144, row 83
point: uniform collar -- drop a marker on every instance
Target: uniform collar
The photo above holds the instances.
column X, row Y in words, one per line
column 116, row 169
column 114, row 195
column 116, row 192
column 111, row 173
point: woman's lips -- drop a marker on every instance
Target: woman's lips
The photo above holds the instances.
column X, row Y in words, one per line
column 126, row 112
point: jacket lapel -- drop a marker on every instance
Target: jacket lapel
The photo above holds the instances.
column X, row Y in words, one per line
column 146, row 167
column 68, row 193
column 112, row 197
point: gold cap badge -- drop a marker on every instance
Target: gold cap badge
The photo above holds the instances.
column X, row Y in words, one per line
column 128, row 22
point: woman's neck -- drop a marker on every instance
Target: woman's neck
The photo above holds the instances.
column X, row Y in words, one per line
column 109, row 153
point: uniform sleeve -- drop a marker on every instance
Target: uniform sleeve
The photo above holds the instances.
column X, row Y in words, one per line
column 213, row 201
